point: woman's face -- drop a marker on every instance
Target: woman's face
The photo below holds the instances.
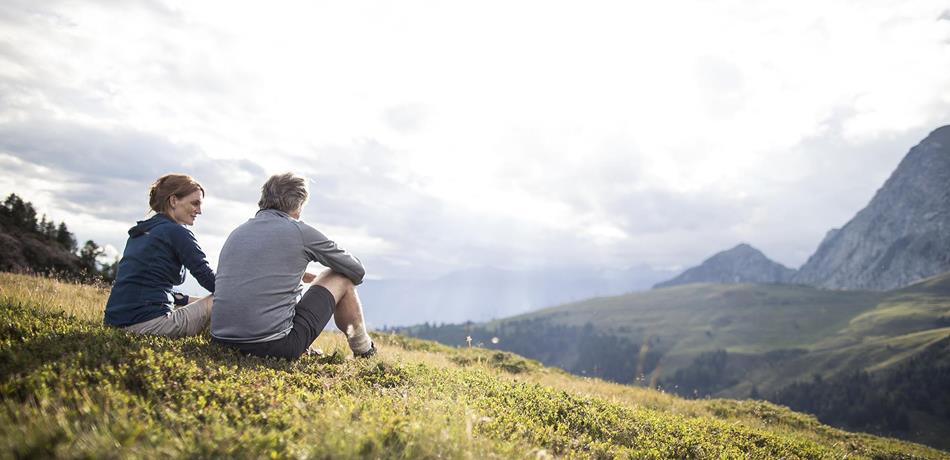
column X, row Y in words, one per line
column 185, row 210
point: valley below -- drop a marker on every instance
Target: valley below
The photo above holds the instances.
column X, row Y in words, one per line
column 865, row 360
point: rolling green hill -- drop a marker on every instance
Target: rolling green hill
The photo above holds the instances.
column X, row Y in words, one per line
column 738, row 340
column 70, row 387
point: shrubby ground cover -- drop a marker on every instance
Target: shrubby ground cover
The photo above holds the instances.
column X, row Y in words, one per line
column 858, row 360
column 70, row 387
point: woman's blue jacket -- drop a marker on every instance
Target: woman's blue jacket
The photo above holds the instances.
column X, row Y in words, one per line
column 154, row 260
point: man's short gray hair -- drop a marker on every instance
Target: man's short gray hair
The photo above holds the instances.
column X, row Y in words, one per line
column 284, row 192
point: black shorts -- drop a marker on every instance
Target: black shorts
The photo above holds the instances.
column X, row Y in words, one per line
column 313, row 312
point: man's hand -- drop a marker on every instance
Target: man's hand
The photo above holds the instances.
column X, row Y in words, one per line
column 309, row 277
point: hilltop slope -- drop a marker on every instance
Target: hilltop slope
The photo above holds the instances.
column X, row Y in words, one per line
column 674, row 325
column 741, row 264
column 71, row 387
column 684, row 321
column 902, row 236
column 746, row 339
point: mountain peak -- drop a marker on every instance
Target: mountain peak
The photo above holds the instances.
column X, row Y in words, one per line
column 742, row 248
column 941, row 131
column 740, row 264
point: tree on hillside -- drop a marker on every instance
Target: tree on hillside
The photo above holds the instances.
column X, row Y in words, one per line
column 707, row 375
column 87, row 256
column 47, row 228
column 65, row 238
column 884, row 402
column 109, row 271
column 44, row 247
column 41, row 226
column 18, row 213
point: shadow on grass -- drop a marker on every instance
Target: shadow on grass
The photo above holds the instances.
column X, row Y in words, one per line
column 39, row 349
column 86, row 350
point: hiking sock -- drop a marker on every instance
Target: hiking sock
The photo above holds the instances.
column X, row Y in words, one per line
column 358, row 339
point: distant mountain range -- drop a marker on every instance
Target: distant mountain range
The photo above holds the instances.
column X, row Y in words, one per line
column 482, row 294
column 900, row 237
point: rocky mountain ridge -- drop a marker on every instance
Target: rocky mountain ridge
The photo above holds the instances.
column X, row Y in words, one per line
column 902, row 236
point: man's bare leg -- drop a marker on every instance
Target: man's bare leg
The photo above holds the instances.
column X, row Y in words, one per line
column 348, row 313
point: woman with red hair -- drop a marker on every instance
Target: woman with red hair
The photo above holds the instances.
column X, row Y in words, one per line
column 156, row 255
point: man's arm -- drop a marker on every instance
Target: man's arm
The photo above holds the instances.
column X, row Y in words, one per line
column 323, row 250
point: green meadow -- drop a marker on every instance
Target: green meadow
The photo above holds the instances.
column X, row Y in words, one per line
column 72, row 388
column 814, row 331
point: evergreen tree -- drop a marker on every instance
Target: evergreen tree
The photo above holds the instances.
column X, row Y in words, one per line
column 65, row 238
column 53, row 248
column 6, row 211
column 19, row 214
column 29, row 218
column 87, row 257
column 49, row 230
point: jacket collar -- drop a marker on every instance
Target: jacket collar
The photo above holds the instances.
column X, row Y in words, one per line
column 274, row 212
column 143, row 226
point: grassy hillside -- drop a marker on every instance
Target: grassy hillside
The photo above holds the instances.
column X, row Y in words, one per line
column 744, row 318
column 799, row 329
column 70, row 387
column 743, row 340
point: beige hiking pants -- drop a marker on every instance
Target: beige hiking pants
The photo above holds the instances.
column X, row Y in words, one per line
column 185, row 321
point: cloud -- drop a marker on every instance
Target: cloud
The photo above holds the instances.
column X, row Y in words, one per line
column 109, row 170
column 643, row 136
column 92, row 151
column 405, row 118
column 722, row 84
column 361, row 187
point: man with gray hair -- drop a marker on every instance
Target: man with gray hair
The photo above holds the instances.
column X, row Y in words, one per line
column 259, row 308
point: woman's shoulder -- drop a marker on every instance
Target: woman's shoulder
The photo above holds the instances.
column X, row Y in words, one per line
column 174, row 231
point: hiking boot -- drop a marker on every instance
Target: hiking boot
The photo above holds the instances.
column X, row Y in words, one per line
column 368, row 353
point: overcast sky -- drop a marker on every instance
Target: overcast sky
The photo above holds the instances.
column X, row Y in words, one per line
column 447, row 135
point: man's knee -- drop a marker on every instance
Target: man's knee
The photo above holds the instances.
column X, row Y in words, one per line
column 337, row 284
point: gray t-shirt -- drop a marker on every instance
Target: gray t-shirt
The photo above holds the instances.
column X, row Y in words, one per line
column 258, row 281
